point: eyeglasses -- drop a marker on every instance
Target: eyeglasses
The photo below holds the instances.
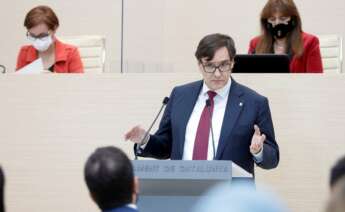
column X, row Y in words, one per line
column 211, row 68
column 42, row 36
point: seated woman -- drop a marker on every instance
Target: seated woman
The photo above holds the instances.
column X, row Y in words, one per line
column 282, row 33
column 41, row 24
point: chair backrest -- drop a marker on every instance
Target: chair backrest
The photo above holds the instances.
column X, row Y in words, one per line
column 2, row 69
column 331, row 53
column 92, row 51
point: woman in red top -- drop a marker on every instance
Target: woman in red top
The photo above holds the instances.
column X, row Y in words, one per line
column 282, row 33
column 41, row 23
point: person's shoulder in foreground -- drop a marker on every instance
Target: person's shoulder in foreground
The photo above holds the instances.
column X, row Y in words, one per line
column 239, row 197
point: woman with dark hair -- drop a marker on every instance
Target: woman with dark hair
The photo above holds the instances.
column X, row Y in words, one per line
column 41, row 23
column 281, row 33
column 2, row 185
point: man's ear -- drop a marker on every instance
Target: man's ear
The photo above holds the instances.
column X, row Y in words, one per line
column 136, row 185
column 201, row 68
column 135, row 192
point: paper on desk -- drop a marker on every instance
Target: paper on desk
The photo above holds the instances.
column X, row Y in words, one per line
column 36, row 67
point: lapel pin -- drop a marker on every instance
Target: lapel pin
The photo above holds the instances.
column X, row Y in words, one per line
column 240, row 104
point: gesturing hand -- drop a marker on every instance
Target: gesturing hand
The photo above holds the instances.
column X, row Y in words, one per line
column 136, row 134
column 258, row 140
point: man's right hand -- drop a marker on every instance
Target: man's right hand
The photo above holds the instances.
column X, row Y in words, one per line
column 136, row 135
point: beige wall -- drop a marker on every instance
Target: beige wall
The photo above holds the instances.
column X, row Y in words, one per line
column 48, row 130
column 160, row 35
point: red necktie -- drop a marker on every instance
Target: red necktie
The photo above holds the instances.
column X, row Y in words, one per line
column 203, row 132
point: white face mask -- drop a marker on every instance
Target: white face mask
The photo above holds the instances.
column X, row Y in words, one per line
column 42, row 44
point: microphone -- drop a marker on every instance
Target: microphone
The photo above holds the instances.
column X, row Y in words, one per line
column 208, row 105
column 137, row 147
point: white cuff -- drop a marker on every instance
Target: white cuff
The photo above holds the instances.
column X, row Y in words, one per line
column 146, row 140
column 258, row 157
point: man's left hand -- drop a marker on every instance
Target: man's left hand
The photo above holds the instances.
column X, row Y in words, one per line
column 258, row 140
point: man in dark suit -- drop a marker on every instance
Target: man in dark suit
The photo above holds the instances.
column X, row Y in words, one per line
column 2, row 185
column 109, row 177
column 241, row 130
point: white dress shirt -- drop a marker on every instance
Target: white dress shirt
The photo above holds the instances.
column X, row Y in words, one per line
column 134, row 206
column 220, row 102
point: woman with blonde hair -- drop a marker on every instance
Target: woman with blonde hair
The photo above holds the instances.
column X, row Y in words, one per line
column 281, row 33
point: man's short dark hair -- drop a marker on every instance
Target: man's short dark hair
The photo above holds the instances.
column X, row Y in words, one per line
column 337, row 171
column 109, row 177
column 211, row 43
column 2, row 185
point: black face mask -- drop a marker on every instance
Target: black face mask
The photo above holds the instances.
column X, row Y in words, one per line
column 280, row 30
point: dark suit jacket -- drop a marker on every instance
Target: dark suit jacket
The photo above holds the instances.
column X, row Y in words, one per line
column 122, row 209
column 236, row 132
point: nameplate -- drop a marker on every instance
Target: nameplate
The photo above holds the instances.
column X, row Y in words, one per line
column 182, row 169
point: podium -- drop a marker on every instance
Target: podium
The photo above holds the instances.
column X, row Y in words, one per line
column 176, row 185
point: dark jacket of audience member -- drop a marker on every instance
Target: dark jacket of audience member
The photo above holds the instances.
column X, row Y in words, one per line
column 2, row 185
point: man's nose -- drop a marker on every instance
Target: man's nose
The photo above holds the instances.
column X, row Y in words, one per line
column 217, row 72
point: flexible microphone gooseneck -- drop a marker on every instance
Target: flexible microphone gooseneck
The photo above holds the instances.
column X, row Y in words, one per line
column 137, row 149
